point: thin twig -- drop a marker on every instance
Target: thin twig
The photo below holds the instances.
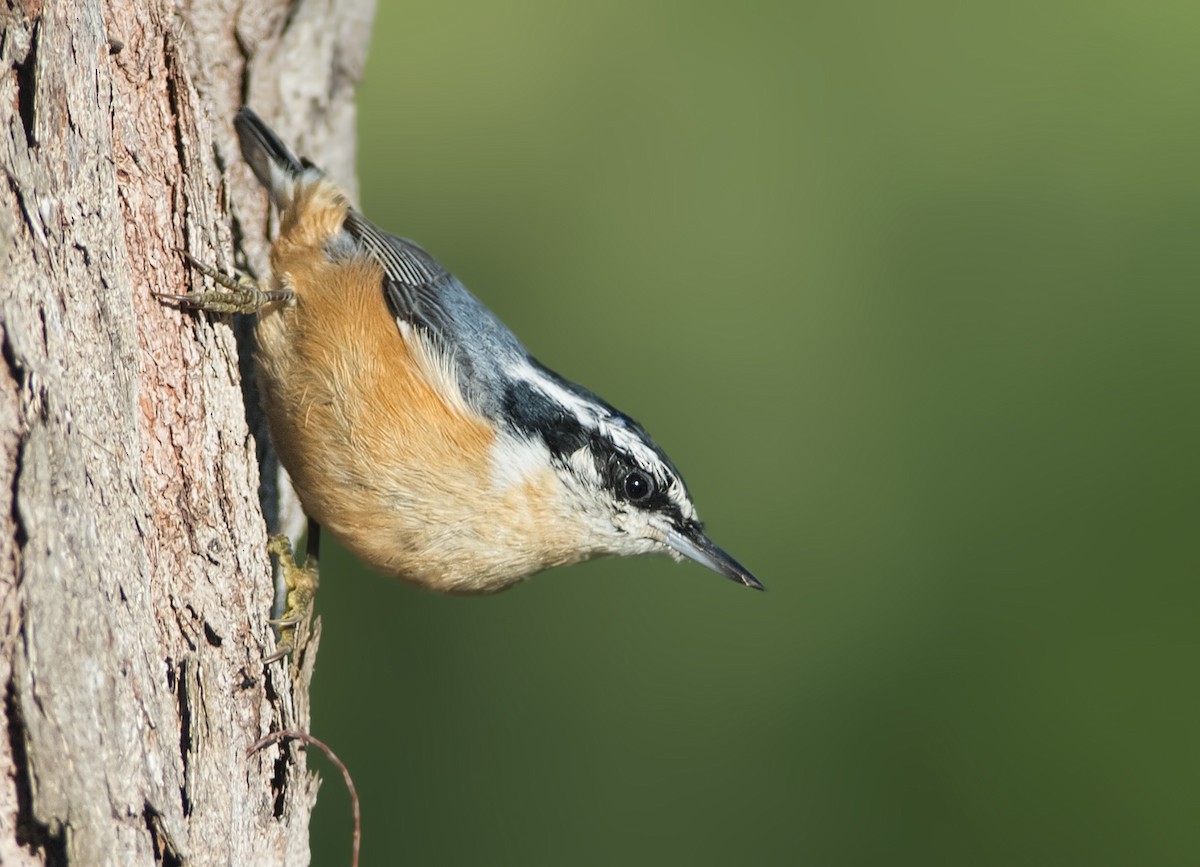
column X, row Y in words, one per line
column 304, row 737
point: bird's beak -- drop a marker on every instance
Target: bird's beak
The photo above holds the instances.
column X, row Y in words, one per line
column 693, row 544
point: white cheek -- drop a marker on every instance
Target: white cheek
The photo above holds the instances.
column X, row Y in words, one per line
column 583, row 486
column 515, row 460
column 632, row 544
column 583, row 467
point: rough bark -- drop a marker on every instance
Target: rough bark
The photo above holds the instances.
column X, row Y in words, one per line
column 134, row 583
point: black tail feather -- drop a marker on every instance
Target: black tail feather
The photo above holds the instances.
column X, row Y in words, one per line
column 273, row 164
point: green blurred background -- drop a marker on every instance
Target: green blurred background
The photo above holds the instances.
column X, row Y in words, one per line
column 909, row 292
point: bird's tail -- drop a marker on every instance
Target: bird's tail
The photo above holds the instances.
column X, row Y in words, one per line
column 273, row 164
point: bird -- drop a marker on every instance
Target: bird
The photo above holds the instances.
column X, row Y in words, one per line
column 415, row 426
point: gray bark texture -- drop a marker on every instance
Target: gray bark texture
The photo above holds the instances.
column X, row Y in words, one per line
column 134, row 580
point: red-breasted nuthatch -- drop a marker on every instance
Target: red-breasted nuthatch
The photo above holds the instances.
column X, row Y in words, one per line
column 413, row 423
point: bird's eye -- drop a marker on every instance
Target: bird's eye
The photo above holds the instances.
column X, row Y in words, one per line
column 638, row 486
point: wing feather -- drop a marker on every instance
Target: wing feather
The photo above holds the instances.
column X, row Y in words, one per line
column 412, row 278
column 422, row 293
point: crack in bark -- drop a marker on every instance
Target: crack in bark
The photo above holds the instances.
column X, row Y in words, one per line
column 185, row 733
column 279, row 779
column 25, row 212
column 166, row 852
column 279, row 770
column 175, row 81
column 17, row 372
column 27, row 88
column 36, row 836
column 289, row 19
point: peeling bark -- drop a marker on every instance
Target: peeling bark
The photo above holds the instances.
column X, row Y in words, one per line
column 134, row 581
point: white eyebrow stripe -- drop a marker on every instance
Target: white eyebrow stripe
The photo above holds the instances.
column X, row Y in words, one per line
column 598, row 418
column 589, row 415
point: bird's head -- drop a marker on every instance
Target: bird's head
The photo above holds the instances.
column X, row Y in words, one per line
column 626, row 496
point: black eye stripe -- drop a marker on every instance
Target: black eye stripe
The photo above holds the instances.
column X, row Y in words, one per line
column 529, row 411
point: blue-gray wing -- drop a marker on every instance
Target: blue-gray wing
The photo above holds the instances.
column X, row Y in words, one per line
column 424, row 294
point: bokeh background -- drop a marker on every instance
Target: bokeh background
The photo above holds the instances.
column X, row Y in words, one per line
column 909, row 292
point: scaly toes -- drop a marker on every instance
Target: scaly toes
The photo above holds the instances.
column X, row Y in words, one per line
column 238, row 293
column 301, row 583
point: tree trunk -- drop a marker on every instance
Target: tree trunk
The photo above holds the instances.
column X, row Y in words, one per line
column 134, row 580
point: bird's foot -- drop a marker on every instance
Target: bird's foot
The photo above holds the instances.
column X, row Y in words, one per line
column 301, row 583
column 237, row 293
